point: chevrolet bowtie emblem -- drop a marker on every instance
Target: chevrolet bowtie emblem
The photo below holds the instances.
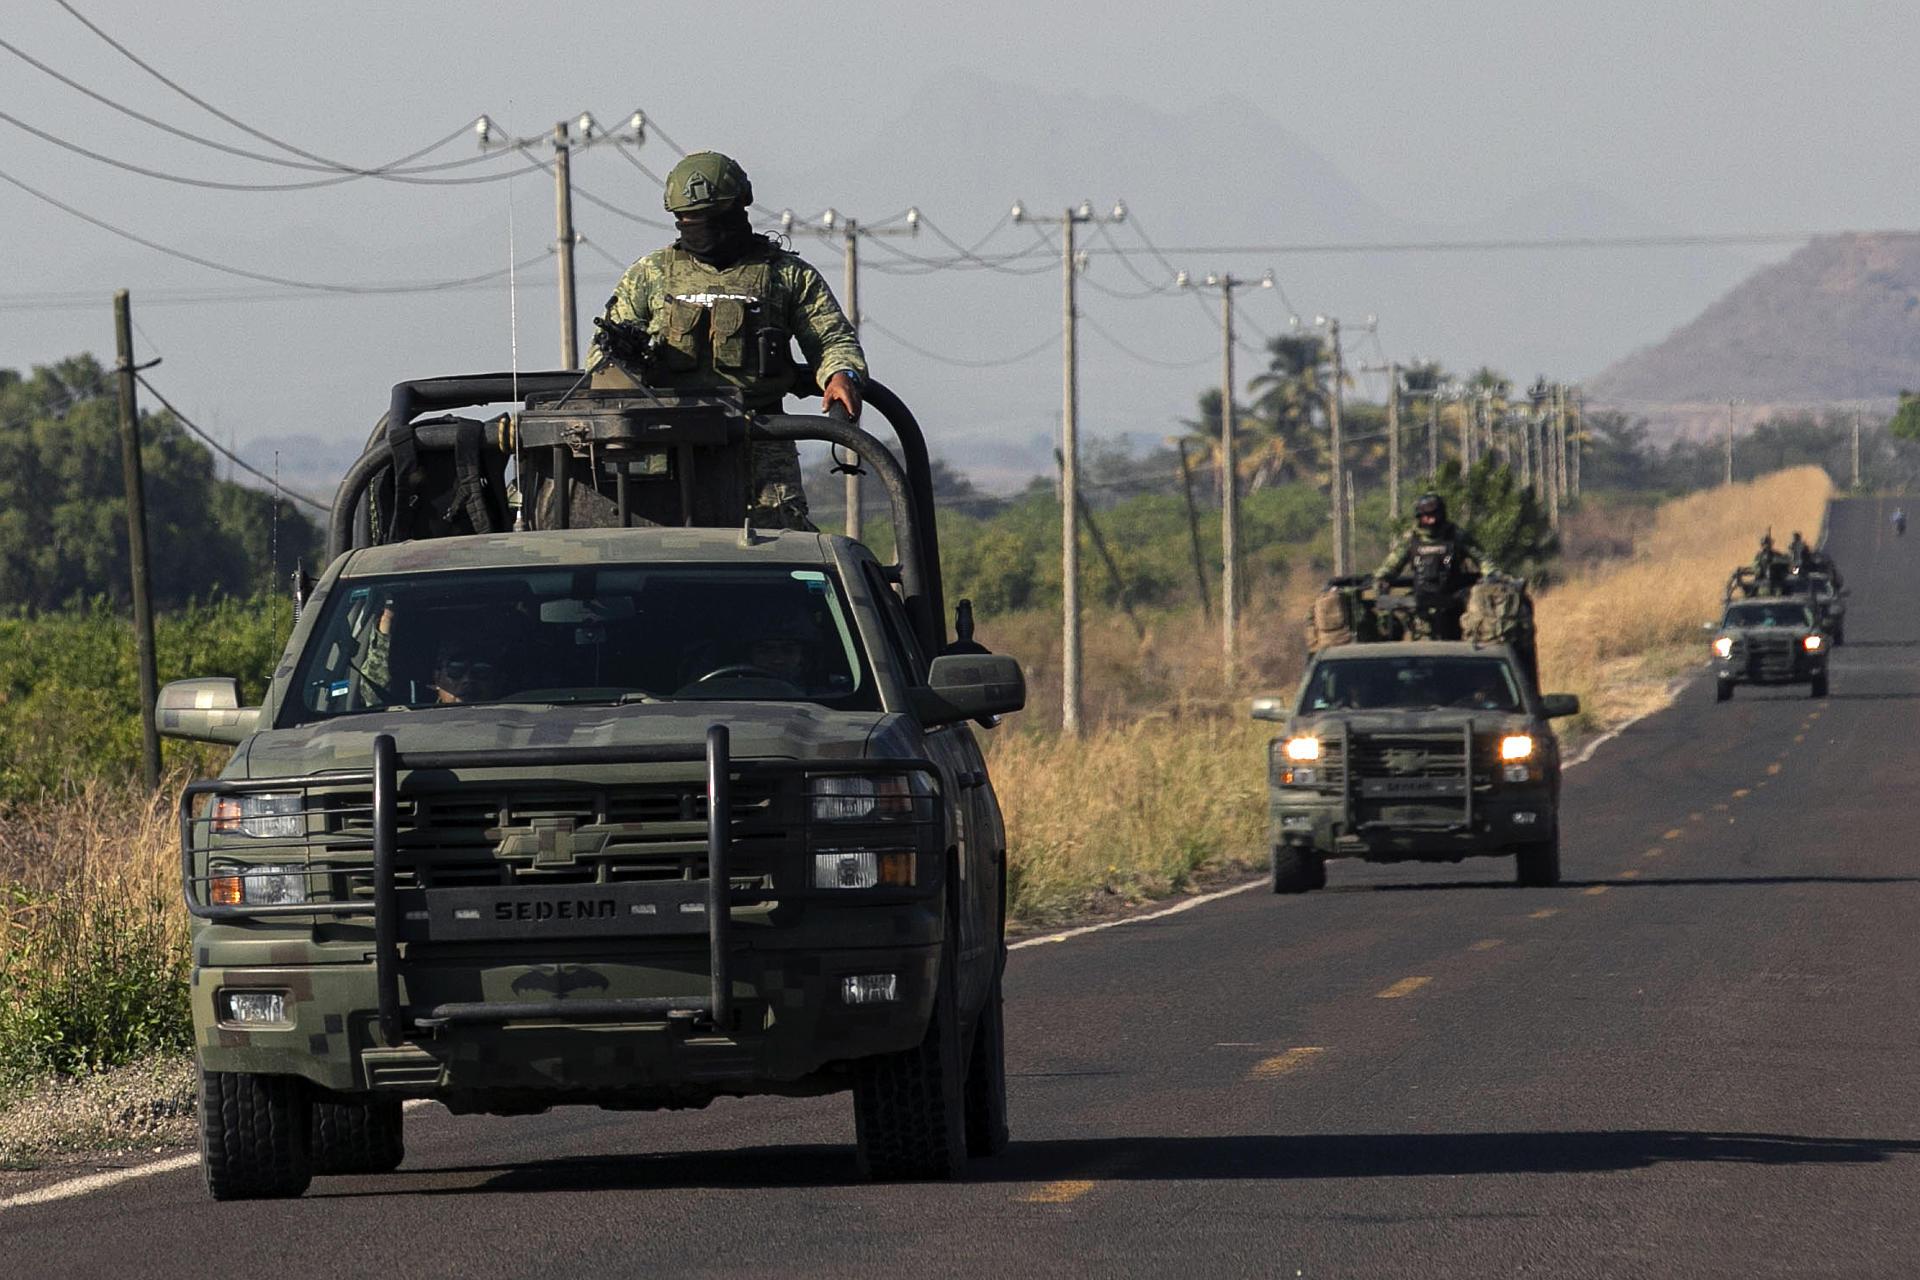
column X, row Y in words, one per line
column 551, row 842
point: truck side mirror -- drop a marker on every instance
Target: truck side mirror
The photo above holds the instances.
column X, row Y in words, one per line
column 1269, row 709
column 970, row 686
column 204, row 710
column 1555, row 705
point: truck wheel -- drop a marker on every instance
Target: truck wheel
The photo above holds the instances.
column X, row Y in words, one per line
column 1819, row 687
column 1538, row 866
column 1722, row 690
column 363, row 1136
column 255, row 1135
column 909, row 1112
column 1297, row 870
column 986, row 1093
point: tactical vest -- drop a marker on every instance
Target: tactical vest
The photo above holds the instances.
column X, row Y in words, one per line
column 721, row 327
column 1434, row 564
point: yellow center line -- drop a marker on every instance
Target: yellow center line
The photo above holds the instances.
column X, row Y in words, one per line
column 1594, row 890
column 1773, row 769
column 1485, row 944
column 1404, row 987
column 1814, row 714
column 1738, row 792
column 1799, row 737
column 1630, row 873
column 1063, row 1192
column 1281, row 1064
column 1722, row 807
column 1651, row 853
column 1543, row 913
column 1672, row 835
column 1693, row 817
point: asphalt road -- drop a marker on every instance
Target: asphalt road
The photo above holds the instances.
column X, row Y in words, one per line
column 1695, row 1057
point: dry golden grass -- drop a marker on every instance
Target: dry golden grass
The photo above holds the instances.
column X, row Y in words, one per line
column 1617, row 634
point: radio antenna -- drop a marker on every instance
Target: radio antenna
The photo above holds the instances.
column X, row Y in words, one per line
column 513, row 327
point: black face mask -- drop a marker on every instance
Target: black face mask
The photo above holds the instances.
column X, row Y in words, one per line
column 718, row 242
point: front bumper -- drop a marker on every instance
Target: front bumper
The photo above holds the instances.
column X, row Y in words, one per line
column 1502, row 820
column 789, row 1021
column 1803, row 669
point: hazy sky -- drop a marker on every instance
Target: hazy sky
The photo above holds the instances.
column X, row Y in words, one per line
column 1713, row 117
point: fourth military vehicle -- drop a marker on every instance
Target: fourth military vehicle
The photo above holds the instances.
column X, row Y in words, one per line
column 637, row 815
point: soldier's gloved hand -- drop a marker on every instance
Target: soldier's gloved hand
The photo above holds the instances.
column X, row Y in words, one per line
column 843, row 389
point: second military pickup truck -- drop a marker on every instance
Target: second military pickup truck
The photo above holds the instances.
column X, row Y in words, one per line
column 1429, row 751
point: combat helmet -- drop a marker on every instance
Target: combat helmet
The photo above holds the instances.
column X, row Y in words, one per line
column 1430, row 504
column 706, row 181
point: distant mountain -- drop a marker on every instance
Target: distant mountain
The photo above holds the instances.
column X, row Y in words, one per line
column 1838, row 322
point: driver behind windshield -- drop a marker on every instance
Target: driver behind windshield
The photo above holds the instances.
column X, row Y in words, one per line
column 460, row 674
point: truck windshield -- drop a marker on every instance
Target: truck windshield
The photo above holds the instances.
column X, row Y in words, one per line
column 1770, row 614
column 599, row 634
column 1411, row 682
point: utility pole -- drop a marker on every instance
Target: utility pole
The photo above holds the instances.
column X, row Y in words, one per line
column 849, row 230
column 563, row 218
column 1560, row 447
column 563, row 137
column 1070, row 693
column 1352, row 519
column 1579, row 439
column 1193, row 534
column 1433, row 432
column 1856, row 451
column 135, row 481
column 1730, row 404
column 1338, row 443
column 1555, row 473
column 1230, row 586
column 1393, row 440
column 1466, row 432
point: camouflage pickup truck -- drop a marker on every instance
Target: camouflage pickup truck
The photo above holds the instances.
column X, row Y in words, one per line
column 1429, row 751
column 1770, row 640
column 635, row 816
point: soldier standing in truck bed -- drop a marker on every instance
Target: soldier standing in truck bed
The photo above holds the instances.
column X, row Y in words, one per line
column 719, row 308
column 1443, row 560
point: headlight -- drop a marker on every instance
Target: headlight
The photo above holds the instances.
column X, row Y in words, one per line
column 1812, row 644
column 863, row 869
column 1303, row 748
column 1516, row 746
column 1723, row 647
column 266, row 815
column 262, row 886
column 851, row 797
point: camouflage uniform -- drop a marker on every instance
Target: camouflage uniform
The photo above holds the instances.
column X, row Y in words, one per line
column 706, row 323
column 1438, row 558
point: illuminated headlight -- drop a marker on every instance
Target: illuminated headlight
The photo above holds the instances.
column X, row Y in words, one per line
column 253, row 1006
column 1303, row 776
column 1812, row 644
column 852, row 797
column 870, row 988
column 1516, row 746
column 863, row 869
column 1723, row 647
column 268, row 815
column 1303, row 748
column 263, row 886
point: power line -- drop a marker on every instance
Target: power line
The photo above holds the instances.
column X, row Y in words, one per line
column 227, row 453
column 868, row 322
column 430, row 286
column 1125, row 350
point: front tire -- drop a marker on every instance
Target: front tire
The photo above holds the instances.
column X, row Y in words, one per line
column 1538, row 866
column 256, row 1135
column 909, row 1108
column 1722, row 689
column 986, row 1091
column 1818, row 689
column 362, row 1136
column 1297, row 870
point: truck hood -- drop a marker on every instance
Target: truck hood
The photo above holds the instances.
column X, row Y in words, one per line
column 1434, row 721
column 778, row 730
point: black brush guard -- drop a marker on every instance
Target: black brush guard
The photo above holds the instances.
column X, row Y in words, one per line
column 712, row 1010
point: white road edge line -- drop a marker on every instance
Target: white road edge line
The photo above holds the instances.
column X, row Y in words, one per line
column 1174, row 910
column 112, row 1177
column 99, row 1181
column 1673, row 692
